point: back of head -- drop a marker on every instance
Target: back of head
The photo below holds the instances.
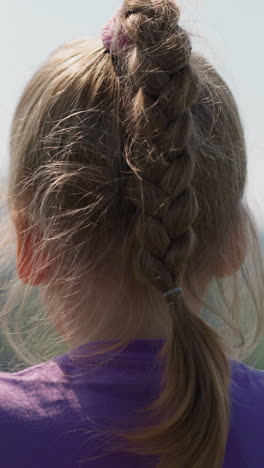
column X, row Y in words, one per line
column 136, row 150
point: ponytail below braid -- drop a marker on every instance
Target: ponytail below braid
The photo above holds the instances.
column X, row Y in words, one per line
column 161, row 88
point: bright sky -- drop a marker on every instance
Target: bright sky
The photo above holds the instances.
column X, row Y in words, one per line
column 231, row 36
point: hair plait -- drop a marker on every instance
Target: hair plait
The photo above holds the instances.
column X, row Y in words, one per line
column 163, row 88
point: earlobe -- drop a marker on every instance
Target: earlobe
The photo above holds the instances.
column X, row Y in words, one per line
column 234, row 255
column 29, row 267
column 29, row 272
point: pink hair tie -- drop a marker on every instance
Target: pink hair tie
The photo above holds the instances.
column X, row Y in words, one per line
column 114, row 37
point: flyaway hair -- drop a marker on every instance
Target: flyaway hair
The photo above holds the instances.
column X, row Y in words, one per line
column 128, row 166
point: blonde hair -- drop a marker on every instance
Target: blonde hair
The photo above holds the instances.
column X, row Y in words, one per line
column 149, row 141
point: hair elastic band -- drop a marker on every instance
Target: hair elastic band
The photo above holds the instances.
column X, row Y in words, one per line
column 114, row 37
column 173, row 291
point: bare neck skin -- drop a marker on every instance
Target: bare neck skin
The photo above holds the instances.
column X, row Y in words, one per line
column 102, row 316
column 105, row 310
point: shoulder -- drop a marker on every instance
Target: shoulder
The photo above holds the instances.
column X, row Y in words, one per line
column 245, row 441
column 246, row 383
column 25, row 392
column 38, row 415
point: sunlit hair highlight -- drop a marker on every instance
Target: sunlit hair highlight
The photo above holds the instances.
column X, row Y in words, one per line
column 132, row 167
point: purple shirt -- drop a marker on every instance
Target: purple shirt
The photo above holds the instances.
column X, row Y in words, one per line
column 47, row 418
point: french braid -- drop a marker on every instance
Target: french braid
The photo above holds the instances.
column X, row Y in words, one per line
column 161, row 147
column 162, row 87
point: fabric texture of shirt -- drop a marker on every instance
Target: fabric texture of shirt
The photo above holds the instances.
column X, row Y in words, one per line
column 48, row 412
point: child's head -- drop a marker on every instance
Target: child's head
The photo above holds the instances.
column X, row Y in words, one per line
column 128, row 170
column 95, row 134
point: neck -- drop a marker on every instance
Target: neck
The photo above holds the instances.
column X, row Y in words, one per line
column 109, row 314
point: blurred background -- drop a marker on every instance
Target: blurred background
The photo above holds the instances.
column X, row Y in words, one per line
column 229, row 33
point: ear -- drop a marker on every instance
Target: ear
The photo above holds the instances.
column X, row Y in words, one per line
column 30, row 268
column 234, row 253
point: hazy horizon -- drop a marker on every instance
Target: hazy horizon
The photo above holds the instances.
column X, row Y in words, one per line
column 231, row 36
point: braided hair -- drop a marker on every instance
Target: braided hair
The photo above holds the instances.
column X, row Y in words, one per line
column 161, row 88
